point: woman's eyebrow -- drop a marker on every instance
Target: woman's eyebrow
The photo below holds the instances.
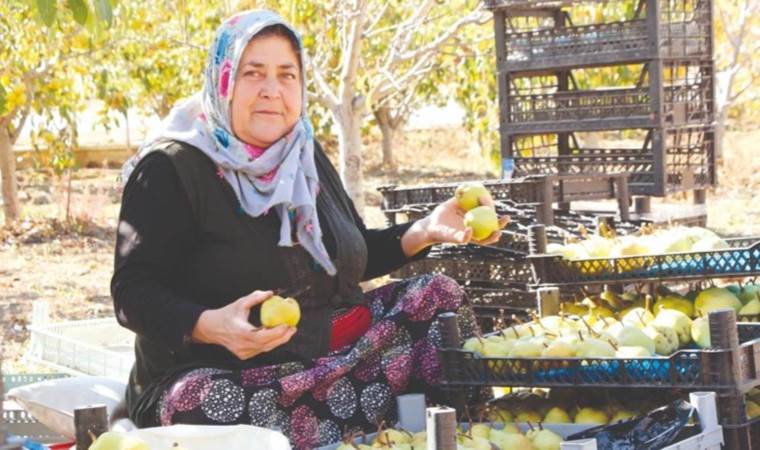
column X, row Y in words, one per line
column 259, row 65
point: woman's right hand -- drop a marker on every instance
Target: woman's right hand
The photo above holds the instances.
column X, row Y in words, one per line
column 229, row 327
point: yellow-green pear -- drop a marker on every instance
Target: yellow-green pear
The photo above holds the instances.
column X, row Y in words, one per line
column 112, row 440
column 748, row 292
column 559, row 349
column 753, row 409
column 528, row 348
column 512, row 441
column 638, row 317
column 557, row 415
column 574, row 251
column 508, row 428
column 468, row 195
column 575, row 309
column 474, row 344
column 474, row 442
column 712, row 299
column 496, row 349
column 390, row 435
column 710, row 243
column 546, row 440
column 674, row 302
column 752, row 308
column 700, row 332
column 672, row 242
column 665, row 339
column 678, row 321
column 480, row 429
column 598, row 247
column 483, row 221
column 278, row 311
column 528, row 415
column 632, row 336
column 591, row 416
column 622, row 414
column 594, row 348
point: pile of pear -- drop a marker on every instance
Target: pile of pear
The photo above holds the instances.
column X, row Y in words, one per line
column 557, row 406
column 648, row 241
column 618, row 326
column 387, row 439
column 506, row 436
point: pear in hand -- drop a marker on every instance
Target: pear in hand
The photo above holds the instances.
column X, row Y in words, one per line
column 277, row 311
column 482, row 220
column 468, row 195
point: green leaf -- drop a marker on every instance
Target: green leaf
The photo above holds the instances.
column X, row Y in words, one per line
column 47, row 10
column 79, row 8
column 104, row 11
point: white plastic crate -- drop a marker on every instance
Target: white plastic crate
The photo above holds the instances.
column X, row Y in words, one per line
column 82, row 347
column 710, row 438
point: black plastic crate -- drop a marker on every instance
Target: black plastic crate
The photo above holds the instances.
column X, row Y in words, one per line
column 741, row 260
column 500, row 300
column 556, row 37
column 664, row 161
column 533, row 189
column 732, row 368
column 472, row 263
column 542, row 104
column 745, row 436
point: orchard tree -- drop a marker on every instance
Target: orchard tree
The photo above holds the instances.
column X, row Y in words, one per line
column 41, row 77
column 737, row 30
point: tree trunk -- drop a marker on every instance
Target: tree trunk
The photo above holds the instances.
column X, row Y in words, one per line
column 8, row 174
column 350, row 156
column 383, row 117
column 720, row 131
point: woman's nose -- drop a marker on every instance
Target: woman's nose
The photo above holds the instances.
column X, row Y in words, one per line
column 270, row 88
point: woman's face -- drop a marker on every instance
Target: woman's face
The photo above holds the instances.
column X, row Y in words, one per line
column 266, row 100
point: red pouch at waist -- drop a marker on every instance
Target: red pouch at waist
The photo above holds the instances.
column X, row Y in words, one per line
column 348, row 326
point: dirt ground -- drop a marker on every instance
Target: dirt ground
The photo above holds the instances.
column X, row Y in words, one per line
column 69, row 265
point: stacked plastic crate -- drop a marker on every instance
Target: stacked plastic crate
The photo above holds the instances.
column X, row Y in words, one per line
column 640, row 72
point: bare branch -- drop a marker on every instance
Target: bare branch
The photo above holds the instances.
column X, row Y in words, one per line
column 378, row 16
column 476, row 17
column 384, row 88
column 733, row 97
column 327, row 96
column 403, row 36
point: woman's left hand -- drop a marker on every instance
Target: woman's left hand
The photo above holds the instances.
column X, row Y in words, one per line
column 446, row 225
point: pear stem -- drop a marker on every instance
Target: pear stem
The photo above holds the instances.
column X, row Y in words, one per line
column 641, row 318
column 612, row 344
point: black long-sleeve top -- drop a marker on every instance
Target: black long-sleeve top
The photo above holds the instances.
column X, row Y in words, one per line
column 184, row 246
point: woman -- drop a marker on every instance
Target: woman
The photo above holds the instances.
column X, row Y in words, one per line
column 233, row 199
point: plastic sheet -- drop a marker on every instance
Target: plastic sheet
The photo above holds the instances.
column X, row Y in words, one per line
column 652, row 431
